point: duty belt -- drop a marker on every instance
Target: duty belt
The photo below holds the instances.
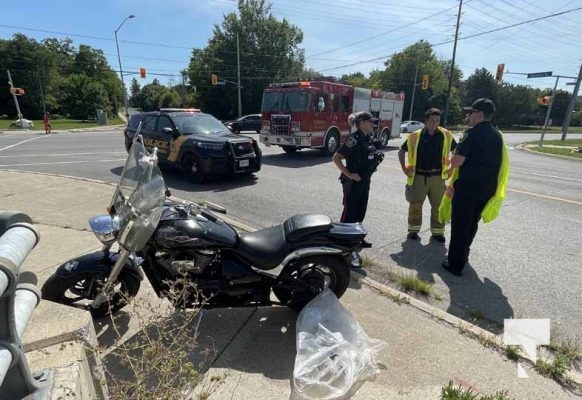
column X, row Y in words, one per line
column 430, row 172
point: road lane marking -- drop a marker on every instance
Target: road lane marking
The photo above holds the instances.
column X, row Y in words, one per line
column 60, row 162
column 545, row 176
column 63, row 155
column 19, row 143
column 545, row 196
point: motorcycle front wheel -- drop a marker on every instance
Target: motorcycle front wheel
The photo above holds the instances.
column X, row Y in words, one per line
column 80, row 291
column 303, row 279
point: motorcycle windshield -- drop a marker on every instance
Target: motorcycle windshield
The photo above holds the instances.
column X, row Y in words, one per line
column 139, row 197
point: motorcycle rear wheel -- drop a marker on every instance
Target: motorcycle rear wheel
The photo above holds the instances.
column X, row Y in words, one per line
column 59, row 289
column 305, row 278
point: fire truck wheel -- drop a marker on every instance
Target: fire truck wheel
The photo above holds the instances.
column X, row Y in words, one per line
column 289, row 149
column 384, row 138
column 331, row 143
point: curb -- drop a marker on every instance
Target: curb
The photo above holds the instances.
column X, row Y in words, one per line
column 60, row 131
column 524, row 148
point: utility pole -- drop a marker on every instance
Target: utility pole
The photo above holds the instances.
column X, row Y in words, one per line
column 238, row 76
column 41, row 94
column 452, row 65
column 121, row 69
column 549, row 111
column 15, row 98
column 566, row 123
column 414, row 87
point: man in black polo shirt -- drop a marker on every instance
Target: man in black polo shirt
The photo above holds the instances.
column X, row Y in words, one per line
column 426, row 170
column 478, row 157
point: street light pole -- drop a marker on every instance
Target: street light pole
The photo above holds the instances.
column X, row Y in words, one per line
column 120, row 68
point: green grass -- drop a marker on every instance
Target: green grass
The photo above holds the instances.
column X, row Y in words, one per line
column 61, row 124
column 451, row 392
column 562, row 151
column 411, row 283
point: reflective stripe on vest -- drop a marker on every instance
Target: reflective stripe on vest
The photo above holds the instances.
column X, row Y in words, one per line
column 413, row 151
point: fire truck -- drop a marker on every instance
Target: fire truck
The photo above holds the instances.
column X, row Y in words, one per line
column 314, row 114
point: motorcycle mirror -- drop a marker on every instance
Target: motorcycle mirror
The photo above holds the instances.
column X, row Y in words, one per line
column 214, row 207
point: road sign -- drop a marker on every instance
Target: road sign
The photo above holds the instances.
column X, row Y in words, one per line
column 539, row 74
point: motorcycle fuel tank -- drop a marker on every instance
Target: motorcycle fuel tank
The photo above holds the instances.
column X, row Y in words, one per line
column 193, row 232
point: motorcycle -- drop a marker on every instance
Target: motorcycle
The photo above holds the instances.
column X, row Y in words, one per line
column 186, row 245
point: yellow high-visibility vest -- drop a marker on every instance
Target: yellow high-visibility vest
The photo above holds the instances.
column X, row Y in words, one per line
column 412, row 141
column 493, row 206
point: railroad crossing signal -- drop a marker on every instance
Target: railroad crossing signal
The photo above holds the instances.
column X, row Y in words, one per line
column 425, row 81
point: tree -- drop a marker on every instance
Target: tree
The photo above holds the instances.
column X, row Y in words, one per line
column 134, row 90
column 269, row 52
column 401, row 70
column 356, row 79
column 82, row 96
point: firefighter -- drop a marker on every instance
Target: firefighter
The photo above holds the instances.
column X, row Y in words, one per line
column 483, row 171
column 427, row 169
column 362, row 159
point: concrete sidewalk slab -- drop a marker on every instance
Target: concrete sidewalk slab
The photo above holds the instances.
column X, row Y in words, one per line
column 423, row 355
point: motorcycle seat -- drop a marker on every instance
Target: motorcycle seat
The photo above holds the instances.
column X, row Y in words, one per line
column 302, row 225
column 266, row 248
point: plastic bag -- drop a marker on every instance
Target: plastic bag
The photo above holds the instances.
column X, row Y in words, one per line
column 334, row 354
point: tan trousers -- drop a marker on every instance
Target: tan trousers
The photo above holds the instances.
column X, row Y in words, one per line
column 423, row 186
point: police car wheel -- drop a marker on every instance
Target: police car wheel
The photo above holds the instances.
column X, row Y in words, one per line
column 193, row 168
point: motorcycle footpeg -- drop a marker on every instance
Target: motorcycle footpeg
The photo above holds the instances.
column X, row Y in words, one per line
column 365, row 245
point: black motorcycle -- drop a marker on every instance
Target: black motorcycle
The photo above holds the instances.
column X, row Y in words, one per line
column 185, row 245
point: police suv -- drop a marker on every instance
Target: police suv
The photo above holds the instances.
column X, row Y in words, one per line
column 195, row 142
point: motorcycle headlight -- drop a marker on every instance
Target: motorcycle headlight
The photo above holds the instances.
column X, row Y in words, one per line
column 105, row 228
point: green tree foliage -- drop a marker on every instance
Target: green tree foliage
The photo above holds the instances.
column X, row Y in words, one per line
column 154, row 96
column 269, row 52
column 408, row 66
column 44, row 69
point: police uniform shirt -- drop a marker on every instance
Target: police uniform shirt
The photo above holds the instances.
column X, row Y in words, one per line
column 430, row 151
column 358, row 151
column 481, row 146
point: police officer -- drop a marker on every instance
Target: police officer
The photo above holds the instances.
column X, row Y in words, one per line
column 362, row 160
column 478, row 157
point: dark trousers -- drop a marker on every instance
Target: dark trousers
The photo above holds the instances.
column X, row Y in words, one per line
column 468, row 203
column 355, row 200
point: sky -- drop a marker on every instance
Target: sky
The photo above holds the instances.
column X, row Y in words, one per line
column 340, row 36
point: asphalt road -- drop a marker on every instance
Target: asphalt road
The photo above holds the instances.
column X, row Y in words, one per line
column 526, row 264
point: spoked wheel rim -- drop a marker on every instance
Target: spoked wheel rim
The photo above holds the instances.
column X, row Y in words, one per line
column 332, row 144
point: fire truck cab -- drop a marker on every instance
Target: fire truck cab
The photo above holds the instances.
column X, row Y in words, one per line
column 314, row 114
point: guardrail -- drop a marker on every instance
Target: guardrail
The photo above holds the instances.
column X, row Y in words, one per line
column 17, row 302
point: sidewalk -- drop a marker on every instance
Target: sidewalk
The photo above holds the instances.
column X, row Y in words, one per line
column 426, row 347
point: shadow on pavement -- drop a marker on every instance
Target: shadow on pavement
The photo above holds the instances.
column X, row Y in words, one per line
column 302, row 158
column 481, row 302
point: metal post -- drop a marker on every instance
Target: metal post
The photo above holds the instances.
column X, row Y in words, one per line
column 15, row 98
column 414, row 88
column 238, row 76
column 452, row 66
column 121, row 69
column 41, row 95
column 566, row 123
column 549, row 111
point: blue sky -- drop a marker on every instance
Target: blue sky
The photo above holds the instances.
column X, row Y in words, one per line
column 340, row 36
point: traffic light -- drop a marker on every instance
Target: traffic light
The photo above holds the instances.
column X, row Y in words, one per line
column 425, row 80
column 499, row 75
column 142, row 72
column 214, row 79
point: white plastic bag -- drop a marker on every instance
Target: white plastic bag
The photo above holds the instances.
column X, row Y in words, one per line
column 334, row 354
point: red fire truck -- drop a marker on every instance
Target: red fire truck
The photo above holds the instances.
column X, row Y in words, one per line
column 314, row 114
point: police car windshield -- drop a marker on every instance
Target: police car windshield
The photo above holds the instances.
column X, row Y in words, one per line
column 205, row 124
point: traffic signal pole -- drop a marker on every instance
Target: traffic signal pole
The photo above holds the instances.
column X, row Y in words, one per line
column 452, row 72
column 549, row 111
column 15, row 98
column 568, row 117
